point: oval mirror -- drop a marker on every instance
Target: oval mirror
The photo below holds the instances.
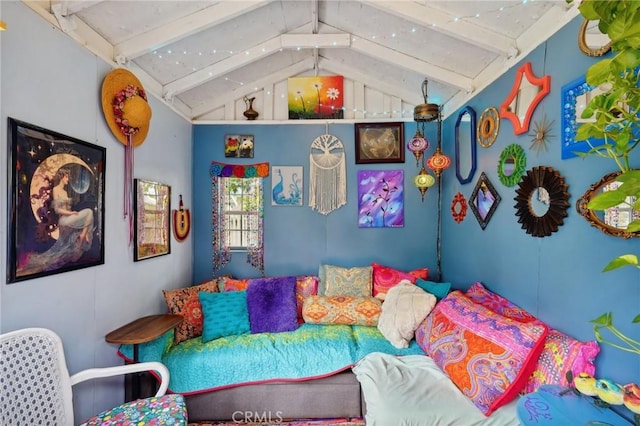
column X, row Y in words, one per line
column 526, row 93
column 613, row 221
column 466, row 145
column 591, row 41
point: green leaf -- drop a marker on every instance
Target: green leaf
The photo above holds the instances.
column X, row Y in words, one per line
column 620, row 261
column 636, row 319
column 635, row 225
column 604, row 320
column 599, row 72
column 607, row 199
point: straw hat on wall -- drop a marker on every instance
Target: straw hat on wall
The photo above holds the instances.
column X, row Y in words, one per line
column 125, row 106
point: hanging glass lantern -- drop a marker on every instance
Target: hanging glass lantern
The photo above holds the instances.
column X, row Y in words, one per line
column 438, row 162
column 423, row 181
column 418, row 145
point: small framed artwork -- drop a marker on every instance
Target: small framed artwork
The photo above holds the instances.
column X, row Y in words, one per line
column 286, row 186
column 56, row 205
column 379, row 142
column 238, row 146
column 152, row 212
column 484, row 200
column 380, row 198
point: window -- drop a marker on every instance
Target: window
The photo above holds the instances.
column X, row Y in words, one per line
column 241, row 206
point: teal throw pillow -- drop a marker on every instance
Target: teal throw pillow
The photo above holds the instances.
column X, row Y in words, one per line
column 439, row 290
column 225, row 314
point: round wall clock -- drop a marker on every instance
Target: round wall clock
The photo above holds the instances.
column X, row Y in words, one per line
column 488, row 126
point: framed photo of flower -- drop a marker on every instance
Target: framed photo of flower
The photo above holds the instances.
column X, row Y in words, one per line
column 379, row 143
column 380, row 198
column 56, row 205
column 315, row 97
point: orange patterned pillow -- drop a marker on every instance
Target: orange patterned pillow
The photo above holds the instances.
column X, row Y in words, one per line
column 385, row 277
column 231, row 284
column 348, row 310
column 185, row 302
column 306, row 285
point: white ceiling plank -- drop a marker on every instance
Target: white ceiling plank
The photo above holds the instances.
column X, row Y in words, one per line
column 409, row 62
column 72, row 7
column 315, row 40
column 355, row 74
column 248, row 88
column 184, row 27
column 222, row 67
column 447, row 24
column 548, row 24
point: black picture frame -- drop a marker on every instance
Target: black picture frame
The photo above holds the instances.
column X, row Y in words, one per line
column 56, row 202
column 379, row 143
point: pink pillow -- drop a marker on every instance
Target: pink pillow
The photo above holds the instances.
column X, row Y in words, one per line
column 561, row 353
column 385, row 277
column 489, row 357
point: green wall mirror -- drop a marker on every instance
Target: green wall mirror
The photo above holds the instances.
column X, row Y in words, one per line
column 466, row 145
column 512, row 164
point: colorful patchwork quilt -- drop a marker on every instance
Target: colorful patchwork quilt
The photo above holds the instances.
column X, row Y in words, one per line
column 311, row 351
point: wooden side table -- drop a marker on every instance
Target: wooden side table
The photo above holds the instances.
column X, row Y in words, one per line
column 549, row 406
column 142, row 330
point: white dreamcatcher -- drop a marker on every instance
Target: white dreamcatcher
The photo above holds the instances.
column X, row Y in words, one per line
column 327, row 174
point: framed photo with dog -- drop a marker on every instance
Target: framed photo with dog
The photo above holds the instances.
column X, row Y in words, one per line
column 238, row 146
column 56, row 205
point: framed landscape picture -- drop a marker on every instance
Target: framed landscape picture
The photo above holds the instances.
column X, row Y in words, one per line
column 152, row 213
column 56, row 204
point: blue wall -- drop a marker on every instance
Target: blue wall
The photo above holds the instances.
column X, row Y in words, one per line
column 558, row 278
column 298, row 239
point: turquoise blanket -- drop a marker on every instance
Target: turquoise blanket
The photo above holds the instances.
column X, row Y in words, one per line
column 311, row 351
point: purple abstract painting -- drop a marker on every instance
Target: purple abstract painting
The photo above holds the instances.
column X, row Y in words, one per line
column 380, row 198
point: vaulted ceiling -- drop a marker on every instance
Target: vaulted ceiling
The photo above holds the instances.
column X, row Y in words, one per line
column 203, row 57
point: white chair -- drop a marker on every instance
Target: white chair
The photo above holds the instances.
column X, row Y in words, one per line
column 35, row 386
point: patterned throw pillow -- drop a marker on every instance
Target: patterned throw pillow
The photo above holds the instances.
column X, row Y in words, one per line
column 488, row 356
column 481, row 295
column 306, row 285
column 232, row 284
column 561, row 353
column 225, row 314
column 347, row 281
column 348, row 310
column 385, row 277
column 185, row 302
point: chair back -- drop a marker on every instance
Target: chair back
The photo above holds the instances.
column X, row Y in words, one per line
column 34, row 381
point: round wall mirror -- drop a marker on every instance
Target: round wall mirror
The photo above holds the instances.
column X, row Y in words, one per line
column 488, row 127
column 542, row 201
column 512, row 164
column 591, row 41
column 614, row 220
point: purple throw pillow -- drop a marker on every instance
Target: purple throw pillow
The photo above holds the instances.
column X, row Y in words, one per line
column 272, row 304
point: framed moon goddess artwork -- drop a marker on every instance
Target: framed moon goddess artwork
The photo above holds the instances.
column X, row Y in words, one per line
column 56, row 205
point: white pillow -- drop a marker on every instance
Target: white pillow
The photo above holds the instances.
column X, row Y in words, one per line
column 404, row 308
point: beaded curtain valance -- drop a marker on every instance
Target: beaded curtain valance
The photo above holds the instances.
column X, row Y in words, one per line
column 239, row 170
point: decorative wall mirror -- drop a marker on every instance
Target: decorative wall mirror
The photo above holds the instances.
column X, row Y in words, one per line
column 591, row 41
column 152, row 213
column 613, row 221
column 466, row 145
column 459, row 207
column 512, row 164
column 526, row 93
column 488, row 126
column 484, row 200
column 574, row 97
column 542, row 201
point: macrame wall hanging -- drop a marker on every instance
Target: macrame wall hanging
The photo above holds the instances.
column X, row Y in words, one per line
column 327, row 174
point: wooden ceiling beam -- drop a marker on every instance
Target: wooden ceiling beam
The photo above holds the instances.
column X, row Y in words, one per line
column 184, row 27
